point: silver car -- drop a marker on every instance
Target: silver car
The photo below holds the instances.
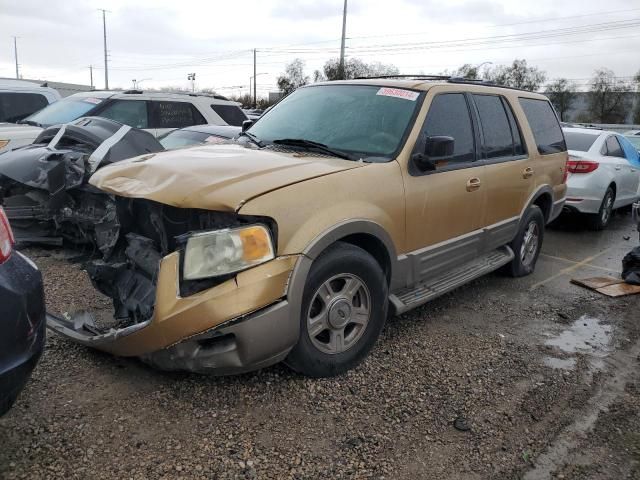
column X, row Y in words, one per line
column 604, row 174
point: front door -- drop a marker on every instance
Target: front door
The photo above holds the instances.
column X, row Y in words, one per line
column 445, row 206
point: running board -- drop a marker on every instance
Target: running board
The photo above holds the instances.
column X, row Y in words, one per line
column 408, row 298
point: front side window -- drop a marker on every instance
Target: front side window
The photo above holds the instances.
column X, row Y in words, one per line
column 498, row 140
column 128, row 112
column 449, row 116
column 544, row 125
column 15, row 106
column 365, row 121
column 65, row 111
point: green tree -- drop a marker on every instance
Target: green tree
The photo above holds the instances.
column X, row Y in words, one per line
column 562, row 93
column 293, row 77
column 609, row 99
column 517, row 75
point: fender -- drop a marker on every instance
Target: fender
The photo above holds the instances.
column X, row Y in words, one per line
column 554, row 208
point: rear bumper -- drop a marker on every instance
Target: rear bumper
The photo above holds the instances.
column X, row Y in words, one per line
column 22, row 325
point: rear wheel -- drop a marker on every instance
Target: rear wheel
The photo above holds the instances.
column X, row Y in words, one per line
column 600, row 220
column 344, row 308
column 527, row 244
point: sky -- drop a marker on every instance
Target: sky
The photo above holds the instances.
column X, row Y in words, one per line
column 159, row 42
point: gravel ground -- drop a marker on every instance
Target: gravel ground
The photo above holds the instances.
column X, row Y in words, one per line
column 458, row 389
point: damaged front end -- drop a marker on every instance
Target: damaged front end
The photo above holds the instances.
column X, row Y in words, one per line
column 173, row 314
column 44, row 187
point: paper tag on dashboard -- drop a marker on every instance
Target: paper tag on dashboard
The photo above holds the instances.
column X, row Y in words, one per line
column 398, row 93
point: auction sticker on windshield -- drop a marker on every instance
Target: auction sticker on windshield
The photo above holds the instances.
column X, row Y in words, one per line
column 95, row 101
column 398, row 93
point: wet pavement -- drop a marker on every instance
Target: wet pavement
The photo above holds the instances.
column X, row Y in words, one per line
column 542, row 374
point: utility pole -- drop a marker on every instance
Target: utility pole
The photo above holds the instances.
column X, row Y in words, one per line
column 15, row 53
column 255, row 90
column 344, row 33
column 91, row 75
column 104, row 31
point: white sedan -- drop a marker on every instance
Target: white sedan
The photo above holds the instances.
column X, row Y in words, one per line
column 604, row 174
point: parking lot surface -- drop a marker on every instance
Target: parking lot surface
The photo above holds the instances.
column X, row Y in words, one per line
column 528, row 378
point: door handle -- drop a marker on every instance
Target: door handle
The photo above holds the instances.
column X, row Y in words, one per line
column 528, row 172
column 618, row 167
column 473, row 184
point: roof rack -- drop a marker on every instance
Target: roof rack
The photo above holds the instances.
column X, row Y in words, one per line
column 191, row 94
column 447, row 78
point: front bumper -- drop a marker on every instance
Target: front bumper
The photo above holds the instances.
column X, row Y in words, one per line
column 239, row 325
column 22, row 325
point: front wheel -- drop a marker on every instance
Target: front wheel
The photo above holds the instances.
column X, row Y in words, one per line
column 344, row 307
column 527, row 244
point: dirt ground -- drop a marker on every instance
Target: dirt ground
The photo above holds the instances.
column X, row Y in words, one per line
column 531, row 378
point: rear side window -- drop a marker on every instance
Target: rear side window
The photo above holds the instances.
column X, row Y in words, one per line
column 544, row 125
column 15, row 106
column 612, row 148
column 176, row 115
column 449, row 116
column 581, row 142
column 128, row 112
column 496, row 130
column 231, row 114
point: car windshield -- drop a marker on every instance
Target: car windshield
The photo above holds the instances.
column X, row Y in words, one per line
column 64, row 111
column 184, row 138
column 365, row 121
column 580, row 142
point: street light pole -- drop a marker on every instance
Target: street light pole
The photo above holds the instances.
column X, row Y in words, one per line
column 344, row 33
column 255, row 90
column 104, row 32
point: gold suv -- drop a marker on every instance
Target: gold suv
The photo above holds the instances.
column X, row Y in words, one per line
column 344, row 202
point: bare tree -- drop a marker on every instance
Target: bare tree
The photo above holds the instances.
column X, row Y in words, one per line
column 293, row 77
column 354, row 68
column 609, row 101
column 517, row 75
column 562, row 94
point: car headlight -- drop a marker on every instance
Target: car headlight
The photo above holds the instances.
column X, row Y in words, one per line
column 4, row 143
column 221, row 252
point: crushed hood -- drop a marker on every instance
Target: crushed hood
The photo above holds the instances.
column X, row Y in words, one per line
column 213, row 177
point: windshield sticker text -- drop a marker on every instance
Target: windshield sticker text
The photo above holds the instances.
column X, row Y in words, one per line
column 398, row 93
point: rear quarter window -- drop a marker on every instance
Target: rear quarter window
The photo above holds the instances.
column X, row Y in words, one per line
column 231, row 114
column 544, row 124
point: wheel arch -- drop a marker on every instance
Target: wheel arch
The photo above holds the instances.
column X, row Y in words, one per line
column 542, row 198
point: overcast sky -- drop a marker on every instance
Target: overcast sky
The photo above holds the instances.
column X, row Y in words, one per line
column 162, row 41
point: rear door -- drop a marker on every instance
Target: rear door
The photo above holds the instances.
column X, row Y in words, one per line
column 134, row 113
column 626, row 180
column 509, row 170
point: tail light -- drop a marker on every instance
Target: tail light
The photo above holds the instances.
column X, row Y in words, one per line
column 6, row 237
column 581, row 166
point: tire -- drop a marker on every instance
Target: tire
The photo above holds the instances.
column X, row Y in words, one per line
column 327, row 310
column 527, row 243
column 601, row 220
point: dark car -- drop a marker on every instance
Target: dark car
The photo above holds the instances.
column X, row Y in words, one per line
column 22, row 317
column 198, row 135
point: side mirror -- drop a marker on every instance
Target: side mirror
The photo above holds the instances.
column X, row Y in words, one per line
column 439, row 147
column 436, row 148
column 246, row 125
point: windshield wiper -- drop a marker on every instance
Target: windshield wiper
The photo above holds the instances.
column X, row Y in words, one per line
column 253, row 138
column 310, row 144
column 30, row 122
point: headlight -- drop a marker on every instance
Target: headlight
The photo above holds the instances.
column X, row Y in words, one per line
column 211, row 254
column 4, row 143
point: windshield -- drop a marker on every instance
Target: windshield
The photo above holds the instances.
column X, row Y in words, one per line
column 184, row 138
column 364, row 120
column 580, row 142
column 64, row 111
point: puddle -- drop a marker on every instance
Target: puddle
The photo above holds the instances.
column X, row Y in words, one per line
column 587, row 336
